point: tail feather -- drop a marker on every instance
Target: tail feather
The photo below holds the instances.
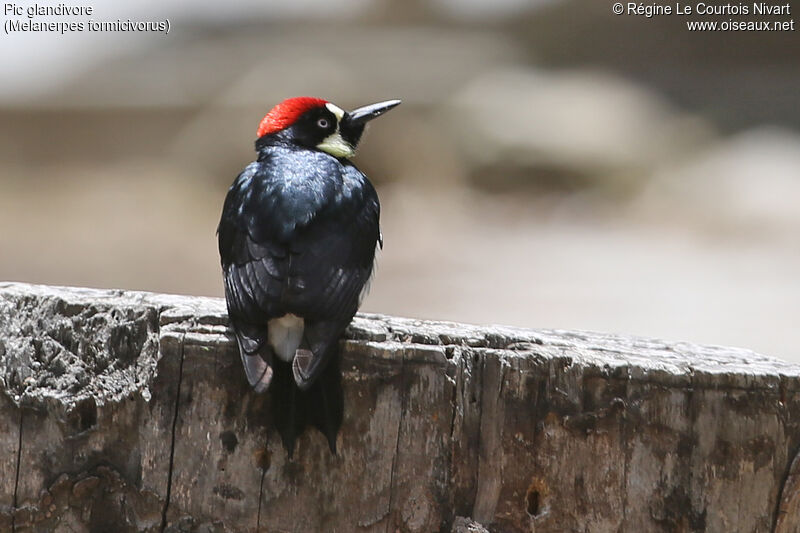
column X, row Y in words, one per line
column 288, row 405
column 327, row 398
column 321, row 405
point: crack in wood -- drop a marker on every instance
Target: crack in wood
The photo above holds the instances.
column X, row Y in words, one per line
column 454, row 409
column 791, row 467
column 172, row 441
column 451, row 446
column 16, row 474
column 479, row 435
column 628, row 453
column 693, row 416
column 260, row 496
column 397, row 440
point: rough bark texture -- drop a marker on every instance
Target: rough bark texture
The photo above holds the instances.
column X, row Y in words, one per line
column 129, row 411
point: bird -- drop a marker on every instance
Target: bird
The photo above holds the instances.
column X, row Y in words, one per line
column 297, row 240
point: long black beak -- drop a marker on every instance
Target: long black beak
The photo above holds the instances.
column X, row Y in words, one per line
column 362, row 115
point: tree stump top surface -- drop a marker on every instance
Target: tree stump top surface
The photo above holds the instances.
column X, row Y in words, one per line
column 670, row 363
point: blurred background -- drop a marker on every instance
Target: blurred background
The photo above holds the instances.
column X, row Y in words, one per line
column 552, row 165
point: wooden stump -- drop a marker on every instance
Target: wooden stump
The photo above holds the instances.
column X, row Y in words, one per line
column 127, row 411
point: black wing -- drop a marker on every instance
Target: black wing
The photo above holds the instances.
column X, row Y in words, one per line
column 254, row 275
column 331, row 262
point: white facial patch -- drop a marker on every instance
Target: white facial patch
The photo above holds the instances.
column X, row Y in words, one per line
column 285, row 335
column 336, row 110
column 334, row 144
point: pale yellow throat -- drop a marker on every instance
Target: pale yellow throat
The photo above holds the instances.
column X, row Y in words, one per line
column 334, row 144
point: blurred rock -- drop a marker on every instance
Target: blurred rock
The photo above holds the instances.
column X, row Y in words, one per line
column 749, row 184
column 482, row 11
column 737, row 79
column 566, row 129
column 197, row 99
column 36, row 69
column 243, row 65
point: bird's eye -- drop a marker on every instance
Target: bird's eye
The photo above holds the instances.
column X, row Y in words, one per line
column 322, row 123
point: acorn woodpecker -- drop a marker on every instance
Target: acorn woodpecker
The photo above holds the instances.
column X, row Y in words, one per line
column 297, row 242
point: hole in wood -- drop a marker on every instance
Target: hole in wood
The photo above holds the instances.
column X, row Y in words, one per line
column 84, row 416
column 229, row 441
column 533, row 502
column 536, row 499
column 263, row 458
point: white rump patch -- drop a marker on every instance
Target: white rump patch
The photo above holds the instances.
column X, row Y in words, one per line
column 285, row 335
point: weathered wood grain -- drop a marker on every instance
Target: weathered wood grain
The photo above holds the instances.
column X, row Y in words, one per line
column 128, row 411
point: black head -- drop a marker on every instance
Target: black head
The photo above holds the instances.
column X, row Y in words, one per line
column 318, row 124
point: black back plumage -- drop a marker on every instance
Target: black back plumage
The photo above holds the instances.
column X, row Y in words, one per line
column 297, row 235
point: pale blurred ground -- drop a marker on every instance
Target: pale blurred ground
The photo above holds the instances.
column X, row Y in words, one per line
column 552, row 165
